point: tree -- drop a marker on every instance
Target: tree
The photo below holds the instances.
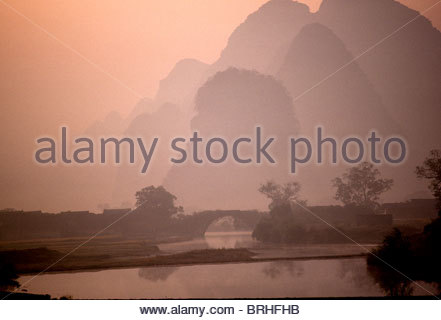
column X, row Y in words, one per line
column 8, row 276
column 157, row 200
column 395, row 251
column 361, row 186
column 285, row 222
column 431, row 169
column 281, row 195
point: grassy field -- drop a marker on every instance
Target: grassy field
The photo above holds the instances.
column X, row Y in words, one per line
column 35, row 260
column 106, row 252
column 101, row 252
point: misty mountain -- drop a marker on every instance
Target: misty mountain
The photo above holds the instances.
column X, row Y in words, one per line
column 166, row 123
column 166, row 116
column 230, row 105
column 264, row 36
column 181, row 84
column 101, row 180
column 144, row 105
column 344, row 104
column 404, row 69
column 394, row 89
column 434, row 14
column 113, row 122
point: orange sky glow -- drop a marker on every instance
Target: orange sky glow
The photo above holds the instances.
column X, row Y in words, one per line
column 44, row 85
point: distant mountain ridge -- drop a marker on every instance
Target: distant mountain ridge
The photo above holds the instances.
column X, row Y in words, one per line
column 394, row 88
column 256, row 42
column 405, row 69
column 375, row 92
column 230, row 105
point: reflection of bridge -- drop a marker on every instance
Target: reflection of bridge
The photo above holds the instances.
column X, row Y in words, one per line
column 243, row 220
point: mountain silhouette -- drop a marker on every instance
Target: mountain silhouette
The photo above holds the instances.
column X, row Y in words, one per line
column 393, row 88
column 145, row 105
column 166, row 116
column 344, row 105
column 102, row 181
column 434, row 14
column 113, row 122
column 230, row 105
column 181, row 84
column 166, row 123
column 264, row 36
column 404, row 69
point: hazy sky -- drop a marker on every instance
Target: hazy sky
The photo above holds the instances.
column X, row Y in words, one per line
column 138, row 42
column 44, row 85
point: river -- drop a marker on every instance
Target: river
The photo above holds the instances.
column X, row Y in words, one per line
column 278, row 279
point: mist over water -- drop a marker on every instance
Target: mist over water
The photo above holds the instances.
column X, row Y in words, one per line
column 278, row 279
column 313, row 278
column 213, row 240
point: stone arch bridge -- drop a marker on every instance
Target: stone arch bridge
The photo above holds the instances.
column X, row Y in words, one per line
column 243, row 220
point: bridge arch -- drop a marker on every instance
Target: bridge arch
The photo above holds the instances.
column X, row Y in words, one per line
column 201, row 221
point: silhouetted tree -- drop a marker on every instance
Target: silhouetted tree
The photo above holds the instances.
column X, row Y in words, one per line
column 361, row 186
column 281, row 194
column 8, row 276
column 401, row 258
column 432, row 231
column 390, row 262
column 429, row 252
column 431, row 169
column 157, row 200
column 285, row 222
column 156, row 274
column 395, row 250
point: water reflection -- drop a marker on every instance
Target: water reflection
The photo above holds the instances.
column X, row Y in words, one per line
column 279, row 269
column 212, row 240
column 278, row 279
column 309, row 278
column 346, row 274
column 392, row 282
column 218, row 240
column 156, row 274
column 355, row 272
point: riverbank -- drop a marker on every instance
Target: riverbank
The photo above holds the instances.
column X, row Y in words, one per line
column 195, row 257
column 8, row 295
column 104, row 253
column 273, row 279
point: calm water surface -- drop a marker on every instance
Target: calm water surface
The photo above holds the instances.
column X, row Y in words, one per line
column 213, row 240
column 310, row 278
